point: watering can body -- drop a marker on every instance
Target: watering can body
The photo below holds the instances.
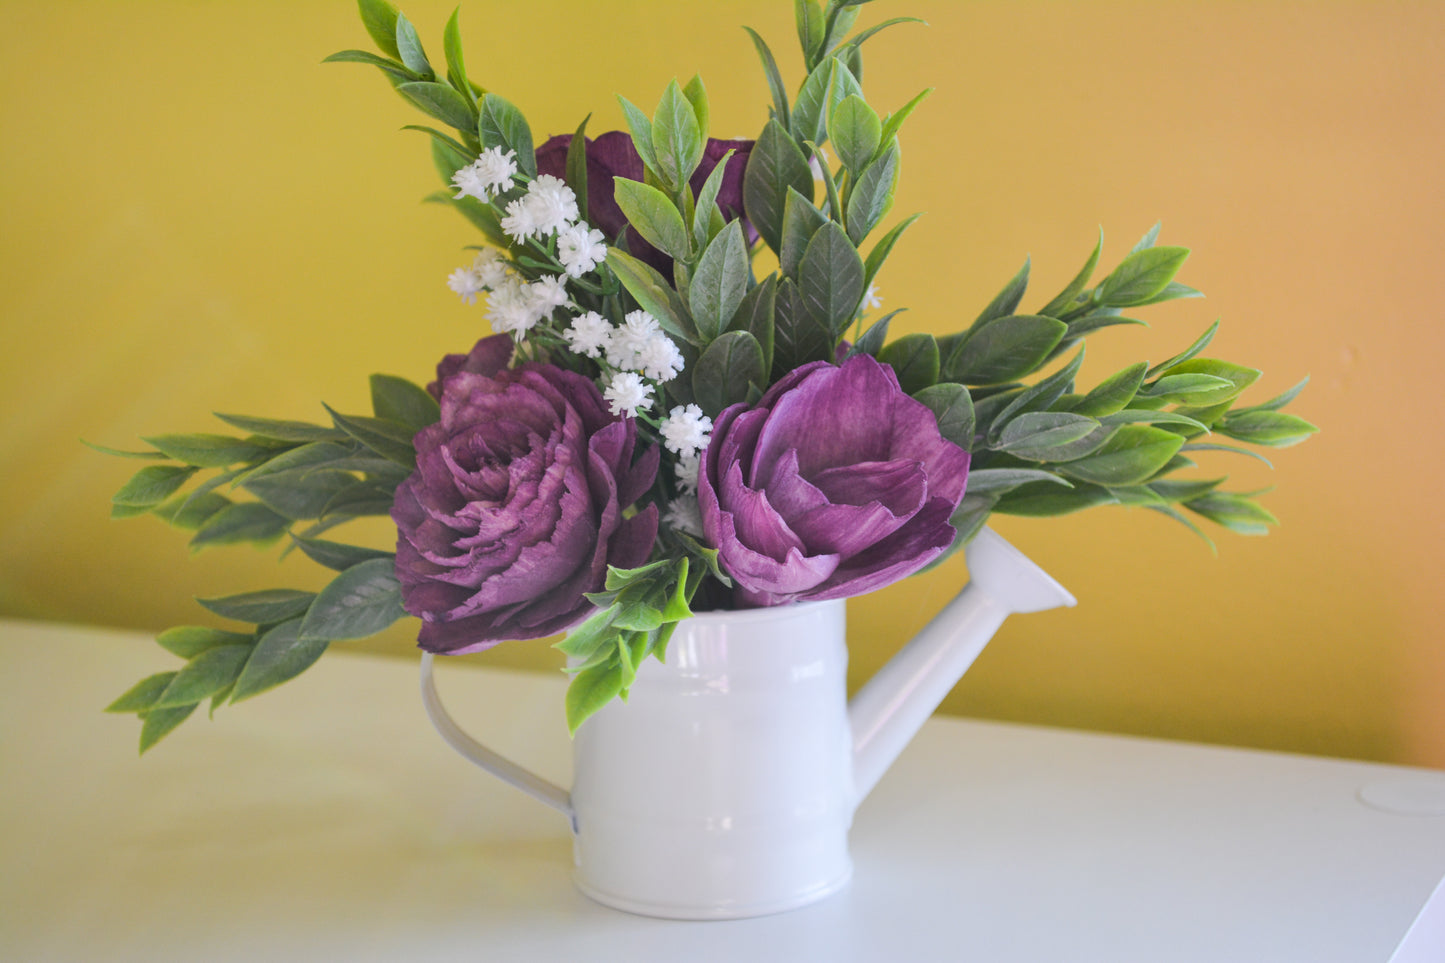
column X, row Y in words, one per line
column 725, row 786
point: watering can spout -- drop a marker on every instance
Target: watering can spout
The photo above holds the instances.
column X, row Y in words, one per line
column 891, row 707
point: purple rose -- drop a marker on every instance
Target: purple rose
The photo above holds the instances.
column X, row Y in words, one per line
column 515, row 509
column 612, row 155
column 834, row 484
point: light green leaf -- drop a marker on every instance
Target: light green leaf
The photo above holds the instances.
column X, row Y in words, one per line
column 801, row 220
column 500, row 124
column 189, row 641
column 1237, row 378
column 280, row 655
column 872, row 194
column 1066, row 298
column 1278, row 429
column 380, row 18
column 893, row 123
column 577, row 165
column 394, row 70
column 720, row 281
column 707, row 213
column 677, row 138
column 1198, row 446
column 1051, row 436
column 208, row 451
column 952, row 407
column 1147, row 241
column 811, row 28
column 263, row 607
column 158, row 723
column 1113, row 394
column 152, row 485
column 1039, row 396
column 456, row 62
column 1132, row 454
column 654, row 216
column 282, row 430
column 205, row 675
column 359, row 602
column 408, row 47
column 1141, row 275
column 1184, row 389
column 640, row 126
column 1131, row 417
column 883, row 248
column 829, row 84
column 190, row 511
column 1237, row 513
column 440, row 101
column 1199, row 345
column 1000, row 480
column 591, row 689
column 143, row 695
column 653, row 293
column 1279, row 401
column 854, row 129
column 1007, row 300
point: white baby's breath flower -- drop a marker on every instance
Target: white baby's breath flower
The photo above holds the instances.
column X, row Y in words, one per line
column 547, row 293
column 491, row 267
column 684, row 514
column 629, row 340
column 487, row 176
column 627, row 393
column 510, row 308
column 686, row 430
column 518, row 223
column 659, row 358
column 551, row 204
column 871, row 300
column 685, row 473
column 580, row 248
column 466, row 284
column 588, row 334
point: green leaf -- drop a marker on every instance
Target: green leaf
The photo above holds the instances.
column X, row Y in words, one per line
column 883, row 248
column 1147, row 241
column 300, row 493
column 696, row 94
column 1197, row 446
column 263, row 607
column 1169, row 510
column 159, row 722
column 1279, row 401
column 755, row 315
column 677, row 138
column 641, row 127
column 801, row 220
column 854, row 129
column 189, row 641
column 408, row 47
column 1132, row 454
column 952, row 407
column 1199, row 345
column 280, row 655
column 282, row 430
column 1041, row 500
column 121, row 454
column 191, row 511
column 1094, row 322
column 337, row 556
column 797, row 337
column 1236, row 378
column 394, row 70
column 830, row 279
column 500, row 124
column 1113, row 394
column 1051, row 436
column 858, row 41
column 811, row 28
column 591, row 689
column 1237, row 513
column 440, row 101
column 205, row 675
column 1130, row 417
column 388, row 439
column 396, row 399
column 1007, row 300
column 244, row 522
column 1004, row 349
column 359, row 602
column 456, row 62
column 774, row 164
column 652, row 292
column 1140, row 276
column 152, row 485
column 208, row 451
column 1175, row 490
column 706, row 213
column 1183, row 389
column 827, row 86
column 1039, row 396
column 720, row 282
column 1000, row 480
column 141, row 696
column 307, row 456
column 725, row 371
column 577, row 165
column 1278, row 429
column 380, row 19
column 1066, row 298
column 872, row 194
column 775, row 79
column 893, row 123
column 871, row 341
column 1172, row 291
column 654, row 216
column 914, row 359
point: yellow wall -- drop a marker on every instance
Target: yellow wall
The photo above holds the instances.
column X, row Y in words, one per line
column 199, row 216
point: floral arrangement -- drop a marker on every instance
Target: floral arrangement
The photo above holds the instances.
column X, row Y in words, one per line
column 652, row 428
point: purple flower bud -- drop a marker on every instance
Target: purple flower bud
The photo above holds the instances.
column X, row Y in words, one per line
column 834, row 484
column 515, row 509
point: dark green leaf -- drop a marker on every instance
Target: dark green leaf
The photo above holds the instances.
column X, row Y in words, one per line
column 1132, row 454
column 893, row 123
column 727, row 367
column 359, row 602
column 191, row 511
column 396, row 399
column 1237, row 378
column 811, row 28
column 1279, row 401
column 652, row 292
column 300, row 493
column 121, row 454
column 203, row 676
column 152, row 485
column 830, row 279
column 1183, row 389
column 261, row 608
column 854, row 129
column 1007, row 300
column 379, row 18
column 159, row 722
column 1171, row 292
column 755, row 315
column 827, row 86
column 1004, row 349
column 720, row 281
column 797, row 338
column 305, row 456
column 872, row 194
column 1141, row 275
column 1199, row 345
column 244, row 522
column 1278, row 429
column 801, row 220
column 1042, row 499
column 1197, row 446
column 914, row 359
column 1131, row 417
column 282, row 430
column 388, row 439
column 1113, row 393
column 1039, row 396
column 280, row 655
column 500, row 124
column 953, row 409
column 872, row 340
column 1051, row 436
column 1170, row 511
column 189, row 641
column 1000, row 480
column 577, row 165
column 208, row 451
column 1235, row 512
column 141, row 696
column 440, row 101
column 1175, row 490
column 362, row 498
column 1066, row 298
column 706, row 207
column 883, row 248
column 1094, row 322
column 775, row 79
column 774, row 164
column 337, row 556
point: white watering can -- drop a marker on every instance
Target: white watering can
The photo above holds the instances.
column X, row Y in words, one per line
column 725, row 786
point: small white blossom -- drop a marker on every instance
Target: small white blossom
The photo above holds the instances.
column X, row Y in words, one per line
column 628, row 341
column 580, row 249
column 659, row 358
column 627, row 393
column 871, row 299
column 588, row 334
column 551, row 204
column 510, row 308
column 487, row 176
column 518, row 223
column 466, row 284
column 547, row 293
column 685, row 472
column 684, row 515
column 686, row 430
column 491, row 267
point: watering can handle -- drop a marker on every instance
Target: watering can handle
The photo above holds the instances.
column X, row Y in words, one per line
column 499, row 766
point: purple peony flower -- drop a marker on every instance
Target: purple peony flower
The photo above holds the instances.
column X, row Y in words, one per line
column 834, row 484
column 516, row 505
column 612, row 155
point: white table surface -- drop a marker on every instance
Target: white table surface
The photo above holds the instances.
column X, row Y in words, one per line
column 326, row 821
